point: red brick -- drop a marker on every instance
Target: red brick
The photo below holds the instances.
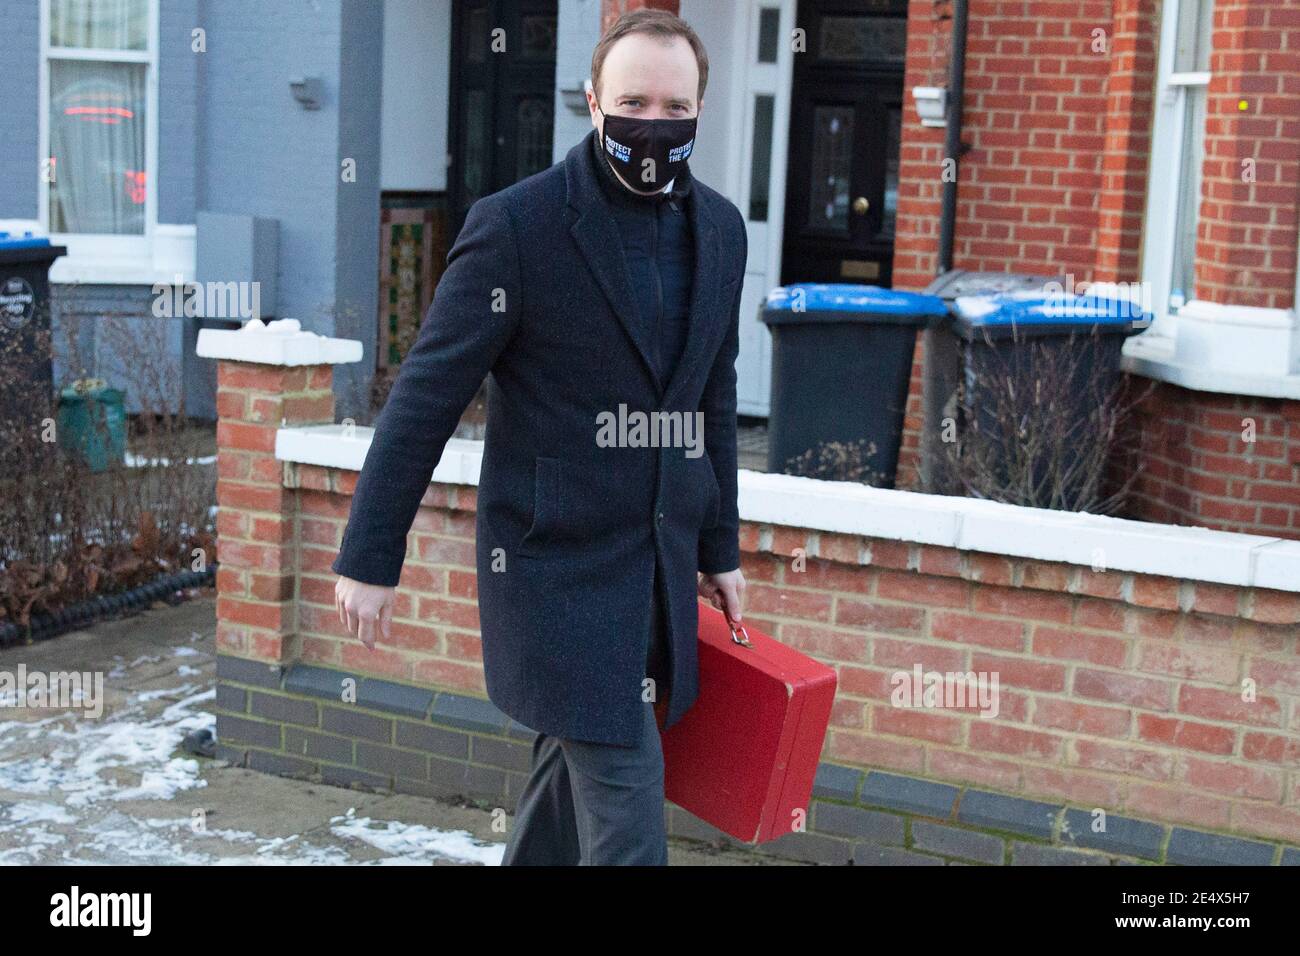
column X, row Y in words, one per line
column 789, row 602
column 1124, row 758
column 863, row 682
column 884, row 618
column 1234, row 780
column 1271, row 748
column 1185, row 734
column 1214, row 704
column 1274, row 607
column 1031, row 605
column 450, row 674
column 250, row 497
column 1001, row 738
column 946, row 562
column 1047, row 576
column 889, row 554
column 1179, row 805
column 921, row 589
column 826, row 644
column 963, row 767
column 1021, row 672
column 867, row 750
column 921, row 723
column 989, row 568
column 1081, row 718
column 461, row 646
column 1197, row 662
column 904, row 655
column 1077, row 645
column 245, row 437
column 1157, row 592
column 462, row 614
column 828, row 576
column 272, row 587
column 972, row 629
column 841, row 548
column 1142, row 692
column 271, row 617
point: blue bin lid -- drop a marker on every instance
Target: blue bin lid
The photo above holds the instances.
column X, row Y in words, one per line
column 853, row 302
column 1059, row 310
column 25, row 241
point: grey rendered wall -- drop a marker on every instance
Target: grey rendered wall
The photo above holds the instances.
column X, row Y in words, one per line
column 579, row 29
column 356, row 238
column 260, row 152
column 20, row 50
column 178, row 72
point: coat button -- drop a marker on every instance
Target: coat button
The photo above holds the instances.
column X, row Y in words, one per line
column 659, row 518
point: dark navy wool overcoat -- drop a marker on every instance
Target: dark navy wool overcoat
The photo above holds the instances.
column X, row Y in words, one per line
column 536, row 298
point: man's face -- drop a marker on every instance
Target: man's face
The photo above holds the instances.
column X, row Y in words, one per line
column 649, row 78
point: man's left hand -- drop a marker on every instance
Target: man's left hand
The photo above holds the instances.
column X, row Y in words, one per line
column 725, row 591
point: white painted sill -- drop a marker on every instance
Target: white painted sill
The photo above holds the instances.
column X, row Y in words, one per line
column 967, row 524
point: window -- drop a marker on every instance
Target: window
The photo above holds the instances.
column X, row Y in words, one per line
column 769, row 33
column 1178, row 145
column 760, row 179
column 99, row 57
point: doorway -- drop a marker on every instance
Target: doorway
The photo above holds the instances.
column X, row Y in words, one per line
column 845, row 128
column 502, row 92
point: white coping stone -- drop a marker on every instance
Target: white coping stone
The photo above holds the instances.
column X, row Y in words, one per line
column 968, row 524
column 278, row 342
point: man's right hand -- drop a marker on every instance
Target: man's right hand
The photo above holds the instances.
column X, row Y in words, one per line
column 360, row 605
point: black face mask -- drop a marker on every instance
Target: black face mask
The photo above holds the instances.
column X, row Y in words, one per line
column 647, row 153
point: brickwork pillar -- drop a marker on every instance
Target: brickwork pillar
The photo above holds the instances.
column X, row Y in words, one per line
column 266, row 379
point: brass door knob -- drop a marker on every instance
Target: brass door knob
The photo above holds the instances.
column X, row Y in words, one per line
column 861, row 205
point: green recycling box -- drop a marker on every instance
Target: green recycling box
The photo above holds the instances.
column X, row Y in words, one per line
column 92, row 423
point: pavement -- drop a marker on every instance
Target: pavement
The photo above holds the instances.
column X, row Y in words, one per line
column 118, row 788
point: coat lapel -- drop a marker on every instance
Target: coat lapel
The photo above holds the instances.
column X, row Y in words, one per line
column 597, row 237
column 596, row 234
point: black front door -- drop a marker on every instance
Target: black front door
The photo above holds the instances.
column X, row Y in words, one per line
column 502, row 114
column 845, row 121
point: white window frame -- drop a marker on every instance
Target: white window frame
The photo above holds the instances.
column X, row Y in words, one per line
column 1167, row 134
column 1202, row 345
column 103, row 257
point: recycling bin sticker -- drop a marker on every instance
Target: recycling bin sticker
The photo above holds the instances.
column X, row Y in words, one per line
column 17, row 302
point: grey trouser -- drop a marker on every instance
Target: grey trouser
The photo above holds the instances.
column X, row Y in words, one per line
column 593, row 804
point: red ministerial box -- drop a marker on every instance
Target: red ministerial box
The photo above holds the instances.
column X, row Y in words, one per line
column 743, row 758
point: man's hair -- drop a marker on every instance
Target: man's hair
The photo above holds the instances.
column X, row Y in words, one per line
column 655, row 23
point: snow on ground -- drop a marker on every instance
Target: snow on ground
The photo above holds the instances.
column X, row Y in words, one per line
column 71, row 789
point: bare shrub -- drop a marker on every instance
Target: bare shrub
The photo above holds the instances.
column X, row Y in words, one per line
column 1043, row 425
column 839, row 461
column 68, row 532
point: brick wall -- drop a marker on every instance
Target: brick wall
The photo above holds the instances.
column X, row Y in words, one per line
column 1055, row 178
column 1199, row 466
column 1246, row 240
column 1055, row 182
column 1120, row 692
column 257, row 533
column 611, row 10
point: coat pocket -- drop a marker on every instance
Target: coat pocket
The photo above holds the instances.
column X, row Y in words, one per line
column 546, row 501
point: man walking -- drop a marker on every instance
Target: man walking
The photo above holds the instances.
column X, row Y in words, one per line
column 601, row 299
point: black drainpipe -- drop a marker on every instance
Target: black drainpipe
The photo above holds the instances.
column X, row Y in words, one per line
column 952, row 144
